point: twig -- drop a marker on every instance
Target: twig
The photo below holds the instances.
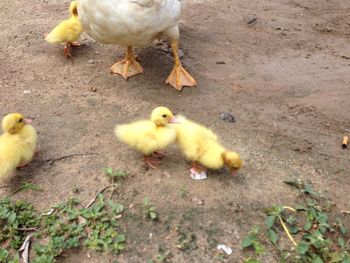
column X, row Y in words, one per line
column 287, row 231
column 99, row 192
column 289, row 208
column 112, row 186
column 25, row 249
column 27, row 229
column 49, row 213
column 4, row 186
column 25, row 186
column 53, row 160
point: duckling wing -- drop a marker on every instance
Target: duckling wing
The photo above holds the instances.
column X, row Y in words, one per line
column 67, row 31
column 28, row 138
column 145, row 136
column 10, row 157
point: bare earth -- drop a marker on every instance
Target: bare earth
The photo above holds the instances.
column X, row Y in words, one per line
column 285, row 77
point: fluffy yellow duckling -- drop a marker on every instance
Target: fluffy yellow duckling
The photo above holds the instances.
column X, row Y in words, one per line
column 201, row 146
column 149, row 136
column 68, row 31
column 17, row 143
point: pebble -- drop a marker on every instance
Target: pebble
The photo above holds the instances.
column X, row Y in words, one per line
column 181, row 53
column 228, row 117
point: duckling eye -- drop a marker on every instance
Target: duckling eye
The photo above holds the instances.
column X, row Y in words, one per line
column 20, row 120
column 164, row 115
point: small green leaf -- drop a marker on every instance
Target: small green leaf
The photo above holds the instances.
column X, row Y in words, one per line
column 153, row 215
column 341, row 242
column 273, row 236
column 120, row 238
column 346, row 258
column 248, row 241
column 302, row 248
column 308, row 226
column 251, row 260
column 270, row 221
column 11, row 219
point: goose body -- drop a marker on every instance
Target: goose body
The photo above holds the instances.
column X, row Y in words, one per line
column 135, row 23
column 129, row 22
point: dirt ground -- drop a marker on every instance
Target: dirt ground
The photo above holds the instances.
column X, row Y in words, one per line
column 285, row 77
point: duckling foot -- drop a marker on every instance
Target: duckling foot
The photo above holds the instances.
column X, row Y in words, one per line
column 158, row 154
column 151, row 162
column 180, row 78
column 21, row 165
column 128, row 67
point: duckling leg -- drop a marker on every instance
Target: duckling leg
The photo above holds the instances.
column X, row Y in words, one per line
column 179, row 77
column 66, row 51
column 151, row 162
column 21, row 165
column 197, row 172
column 197, row 167
column 75, row 44
column 128, row 67
column 158, row 154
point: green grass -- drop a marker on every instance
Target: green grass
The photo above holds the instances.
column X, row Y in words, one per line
column 68, row 226
column 313, row 230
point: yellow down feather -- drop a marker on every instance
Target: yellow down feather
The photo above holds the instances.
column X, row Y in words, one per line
column 201, row 145
column 68, row 30
column 148, row 136
column 17, row 144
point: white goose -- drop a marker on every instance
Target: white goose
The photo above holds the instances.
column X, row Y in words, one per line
column 135, row 23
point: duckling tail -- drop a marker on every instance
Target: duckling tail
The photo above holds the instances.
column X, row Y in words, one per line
column 6, row 169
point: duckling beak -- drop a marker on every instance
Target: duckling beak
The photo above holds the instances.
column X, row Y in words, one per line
column 28, row 121
column 234, row 172
column 173, row 120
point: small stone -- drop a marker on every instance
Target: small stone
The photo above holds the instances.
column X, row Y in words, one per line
column 252, row 19
column 228, row 117
column 93, row 89
column 181, row 53
column 27, row 92
column 198, row 201
column 91, row 61
column 220, row 62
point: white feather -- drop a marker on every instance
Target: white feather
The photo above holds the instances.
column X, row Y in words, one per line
column 129, row 22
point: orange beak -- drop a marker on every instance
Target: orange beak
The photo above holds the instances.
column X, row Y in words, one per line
column 173, row 120
column 28, row 121
column 234, row 172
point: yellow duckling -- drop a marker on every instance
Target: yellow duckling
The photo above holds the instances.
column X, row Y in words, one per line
column 149, row 136
column 68, row 31
column 201, row 146
column 17, row 143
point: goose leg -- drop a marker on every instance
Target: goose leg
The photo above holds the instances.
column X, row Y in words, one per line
column 128, row 67
column 179, row 77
